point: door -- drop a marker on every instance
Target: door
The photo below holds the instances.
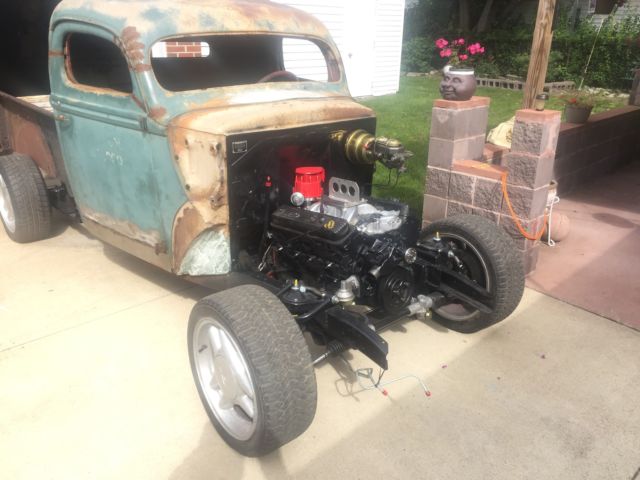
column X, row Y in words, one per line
column 102, row 130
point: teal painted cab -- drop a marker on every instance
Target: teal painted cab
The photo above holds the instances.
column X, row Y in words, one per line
column 147, row 159
column 118, row 160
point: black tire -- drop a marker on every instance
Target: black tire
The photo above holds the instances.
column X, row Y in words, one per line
column 491, row 258
column 278, row 361
column 26, row 211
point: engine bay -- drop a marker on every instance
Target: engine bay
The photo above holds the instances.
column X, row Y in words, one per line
column 344, row 263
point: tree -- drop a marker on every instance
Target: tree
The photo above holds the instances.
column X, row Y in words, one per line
column 434, row 17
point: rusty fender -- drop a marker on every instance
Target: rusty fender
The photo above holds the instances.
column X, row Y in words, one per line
column 201, row 243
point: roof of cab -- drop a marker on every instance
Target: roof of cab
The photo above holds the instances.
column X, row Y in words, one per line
column 157, row 19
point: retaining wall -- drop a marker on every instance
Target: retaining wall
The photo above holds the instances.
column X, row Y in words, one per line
column 586, row 152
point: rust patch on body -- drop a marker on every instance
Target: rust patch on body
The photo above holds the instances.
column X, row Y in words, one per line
column 200, row 161
column 130, row 34
column 188, row 225
column 132, row 45
column 26, row 136
column 257, row 10
column 272, row 115
column 151, row 238
column 200, row 158
column 157, row 112
column 194, row 219
column 142, row 67
column 200, row 17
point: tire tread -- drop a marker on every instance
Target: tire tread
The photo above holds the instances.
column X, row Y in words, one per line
column 278, row 353
column 505, row 261
column 29, row 198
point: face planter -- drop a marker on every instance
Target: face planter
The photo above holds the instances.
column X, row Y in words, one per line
column 457, row 84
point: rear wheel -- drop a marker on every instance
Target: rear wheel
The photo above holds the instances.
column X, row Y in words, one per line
column 24, row 204
column 484, row 253
column 252, row 369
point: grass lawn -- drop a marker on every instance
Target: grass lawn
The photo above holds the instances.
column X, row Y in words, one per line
column 407, row 117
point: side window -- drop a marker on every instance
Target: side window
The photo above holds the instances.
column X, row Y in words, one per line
column 96, row 63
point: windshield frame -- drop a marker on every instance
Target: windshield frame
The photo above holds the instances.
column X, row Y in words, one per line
column 335, row 69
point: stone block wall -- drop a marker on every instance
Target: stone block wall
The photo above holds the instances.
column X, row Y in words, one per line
column 460, row 180
column 585, row 152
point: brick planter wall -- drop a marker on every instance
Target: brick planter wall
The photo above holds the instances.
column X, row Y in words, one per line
column 460, row 180
column 585, row 152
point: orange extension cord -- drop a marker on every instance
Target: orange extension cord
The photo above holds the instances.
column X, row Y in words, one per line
column 524, row 233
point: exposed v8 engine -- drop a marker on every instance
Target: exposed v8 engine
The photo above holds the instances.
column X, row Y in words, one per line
column 343, row 241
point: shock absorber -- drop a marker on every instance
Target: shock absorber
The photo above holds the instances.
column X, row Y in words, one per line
column 334, row 347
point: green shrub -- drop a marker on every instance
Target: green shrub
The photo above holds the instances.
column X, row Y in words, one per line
column 419, row 55
column 487, row 68
column 615, row 55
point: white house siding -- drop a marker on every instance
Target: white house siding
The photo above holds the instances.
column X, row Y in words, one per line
column 368, row 34
column 305, row 59
column 388, row 46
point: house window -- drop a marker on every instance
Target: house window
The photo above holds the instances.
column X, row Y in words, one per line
column 603, row 7
column 94, row 62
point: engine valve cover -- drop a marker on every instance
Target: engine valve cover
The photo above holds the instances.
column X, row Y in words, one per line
column 306, row 222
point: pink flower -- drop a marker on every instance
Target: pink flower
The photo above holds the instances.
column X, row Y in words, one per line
column 461, row 41
column 463, row 57
column 475, row 49
column 441, row 43
column 445, row 53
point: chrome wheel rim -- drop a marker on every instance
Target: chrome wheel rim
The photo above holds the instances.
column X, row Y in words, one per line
column 6, row 207
column 225, row 379
column 458, row 312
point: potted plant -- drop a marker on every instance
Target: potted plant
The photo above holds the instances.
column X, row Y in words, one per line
column 459, row 81
column 577, row 106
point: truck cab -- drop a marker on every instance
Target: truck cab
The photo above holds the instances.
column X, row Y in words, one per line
column 157, row 150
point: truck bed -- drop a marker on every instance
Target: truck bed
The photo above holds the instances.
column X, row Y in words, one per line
column 40, row 101
column 28, row 126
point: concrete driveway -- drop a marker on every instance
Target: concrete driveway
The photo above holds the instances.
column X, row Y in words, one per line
column 95, row 383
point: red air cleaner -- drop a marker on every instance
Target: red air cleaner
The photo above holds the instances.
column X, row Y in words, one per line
column 309, row 181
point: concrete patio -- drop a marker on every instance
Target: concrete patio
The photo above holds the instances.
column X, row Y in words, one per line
column 95, row 383
column 597, row 267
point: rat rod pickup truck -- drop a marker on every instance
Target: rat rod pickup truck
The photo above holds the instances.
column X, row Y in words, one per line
column 240, row 168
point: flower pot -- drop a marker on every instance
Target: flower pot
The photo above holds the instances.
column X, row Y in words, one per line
column 457, row 83
column 575, row 114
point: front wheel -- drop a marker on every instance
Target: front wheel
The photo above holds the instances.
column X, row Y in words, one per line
column 252, row 369
column 487, row 256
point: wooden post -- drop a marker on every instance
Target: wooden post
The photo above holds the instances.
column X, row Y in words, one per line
column 540, row 48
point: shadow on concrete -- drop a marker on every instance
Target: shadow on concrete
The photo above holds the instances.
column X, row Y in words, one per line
column 212, row 459
column 59, row 223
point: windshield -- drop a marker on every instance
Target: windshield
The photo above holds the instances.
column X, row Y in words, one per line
column 203, row 62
